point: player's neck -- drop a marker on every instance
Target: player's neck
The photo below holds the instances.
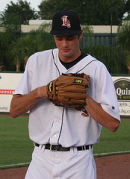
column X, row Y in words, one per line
column 69, row 58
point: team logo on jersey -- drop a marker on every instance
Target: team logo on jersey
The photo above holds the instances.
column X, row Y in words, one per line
column 83, row 110
column 66, row 22
column 78, row 81
column 50, row 87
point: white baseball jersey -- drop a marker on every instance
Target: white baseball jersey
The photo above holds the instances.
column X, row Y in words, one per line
column 60, row 125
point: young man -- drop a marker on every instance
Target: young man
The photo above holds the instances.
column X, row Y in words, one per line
column 63, row 136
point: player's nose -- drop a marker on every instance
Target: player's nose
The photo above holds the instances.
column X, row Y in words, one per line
column 65, row 43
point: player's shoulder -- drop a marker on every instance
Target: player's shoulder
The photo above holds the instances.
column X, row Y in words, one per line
column 42, row 53
column 42, row 56
column 95, row 61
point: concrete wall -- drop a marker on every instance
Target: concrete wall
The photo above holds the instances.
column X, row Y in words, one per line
column 96, row 28
column 35, row 24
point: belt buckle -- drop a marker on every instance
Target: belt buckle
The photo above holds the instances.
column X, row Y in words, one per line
column 83, row 147
column 52, row 149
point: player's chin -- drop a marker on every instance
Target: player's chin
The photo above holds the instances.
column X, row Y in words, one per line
column 66, row 54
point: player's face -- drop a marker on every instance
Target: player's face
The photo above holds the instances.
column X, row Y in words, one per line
column 68, row 46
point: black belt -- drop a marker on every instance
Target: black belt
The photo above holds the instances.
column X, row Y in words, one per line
column 60, row 148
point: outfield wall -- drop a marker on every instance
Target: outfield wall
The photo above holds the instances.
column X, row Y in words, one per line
column 9, row 81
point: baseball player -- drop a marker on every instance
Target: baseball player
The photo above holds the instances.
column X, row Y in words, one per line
column 65, row 119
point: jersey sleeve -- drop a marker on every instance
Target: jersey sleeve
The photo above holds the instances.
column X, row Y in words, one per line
column 24, row 86
column 106, row 94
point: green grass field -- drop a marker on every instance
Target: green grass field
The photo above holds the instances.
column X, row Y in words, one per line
column 16, row 147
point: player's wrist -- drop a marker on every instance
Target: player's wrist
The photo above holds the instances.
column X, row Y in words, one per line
column 41, row 92
column 87, row 98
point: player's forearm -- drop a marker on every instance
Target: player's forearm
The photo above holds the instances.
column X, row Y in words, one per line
column 97, row 113
column 21, row 104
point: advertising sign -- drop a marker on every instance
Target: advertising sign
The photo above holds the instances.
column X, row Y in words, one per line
column 122, row 87
column 8, row 84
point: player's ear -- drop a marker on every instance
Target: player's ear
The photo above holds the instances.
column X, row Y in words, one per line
column 81, row 35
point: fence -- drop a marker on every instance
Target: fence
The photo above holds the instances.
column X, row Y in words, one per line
column 98, row 39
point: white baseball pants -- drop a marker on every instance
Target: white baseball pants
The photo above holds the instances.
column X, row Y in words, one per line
column 72, row 164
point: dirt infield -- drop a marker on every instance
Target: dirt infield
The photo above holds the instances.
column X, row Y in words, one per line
column 113, row 167
column 110, row 167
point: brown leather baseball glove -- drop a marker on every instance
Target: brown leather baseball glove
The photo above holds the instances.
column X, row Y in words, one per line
column 69, row 90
